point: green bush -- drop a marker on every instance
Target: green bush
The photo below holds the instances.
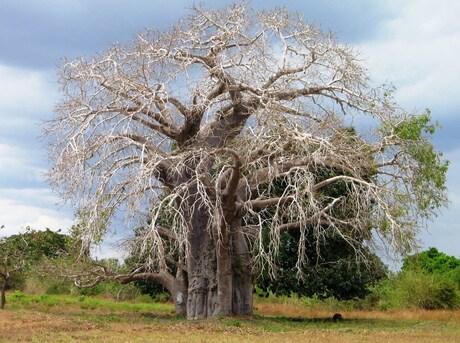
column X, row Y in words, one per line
column 123, row 292
column 38, row 284
column 417, row 289
column 17, row 281
column 92, row 291
column 429, row 291
column 387, row 294
column 59, row 288
column 455, row 276
column 18, row 295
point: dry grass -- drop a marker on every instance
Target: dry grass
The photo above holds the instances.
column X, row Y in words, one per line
column 69, row 322
column 289, row 309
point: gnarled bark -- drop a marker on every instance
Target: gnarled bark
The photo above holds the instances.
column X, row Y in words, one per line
column 218, row 270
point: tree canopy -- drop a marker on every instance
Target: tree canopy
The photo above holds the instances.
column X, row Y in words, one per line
column 18, row 252
column 431, row 260
column 335, row 271
column 200, row 120
column 434, row 261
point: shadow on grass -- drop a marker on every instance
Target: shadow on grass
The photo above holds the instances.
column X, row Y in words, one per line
column 254, row 320
column 331, row 322
column 310, row 320
column 258, row 317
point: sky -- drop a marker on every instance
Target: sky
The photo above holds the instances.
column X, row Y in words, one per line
column 414, row 44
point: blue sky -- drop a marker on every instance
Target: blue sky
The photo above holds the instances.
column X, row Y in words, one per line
column 413, row 44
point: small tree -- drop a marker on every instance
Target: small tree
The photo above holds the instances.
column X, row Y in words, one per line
column 13, row 258
column 246, row 99
column 18, row 252
column 434, row 261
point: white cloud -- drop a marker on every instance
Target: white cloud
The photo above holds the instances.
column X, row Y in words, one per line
column 418, row 52
column 26, row 98
column 20, row 165
column 38, row 209
column 38, row 196
column 23, row 95
column 31, row 207
column 43, row 221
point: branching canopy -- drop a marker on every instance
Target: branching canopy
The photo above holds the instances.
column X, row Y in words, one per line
column 209, row 115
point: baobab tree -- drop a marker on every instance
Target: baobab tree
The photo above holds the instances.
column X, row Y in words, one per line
column 200, row 121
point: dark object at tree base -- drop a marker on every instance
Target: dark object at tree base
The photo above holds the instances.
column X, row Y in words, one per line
column 337, row 317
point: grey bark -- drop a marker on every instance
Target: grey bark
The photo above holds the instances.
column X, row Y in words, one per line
column 242, row 276
column 202, row 299
column 220, row 280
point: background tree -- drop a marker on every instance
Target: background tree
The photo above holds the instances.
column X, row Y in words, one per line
column 13, row 254
column 431, row 260
column 18, row 252
column 337, row 271
column 248, row 98
column 333, row 266
column 434, row 261
column 428, row 280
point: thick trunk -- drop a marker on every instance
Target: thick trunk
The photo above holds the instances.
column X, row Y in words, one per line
column 202, row 299
column 242, row 277
column 224, row 276
column 219, row 271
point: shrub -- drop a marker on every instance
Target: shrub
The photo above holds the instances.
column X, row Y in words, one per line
column 417, row 289
column 92, row 291
column 59, row 288
column 429, row 291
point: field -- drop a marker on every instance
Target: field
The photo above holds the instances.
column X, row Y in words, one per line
column 35, row 318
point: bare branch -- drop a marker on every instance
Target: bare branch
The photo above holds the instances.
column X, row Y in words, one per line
column 231, row 123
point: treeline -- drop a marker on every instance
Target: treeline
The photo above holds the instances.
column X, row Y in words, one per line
column 37, row 261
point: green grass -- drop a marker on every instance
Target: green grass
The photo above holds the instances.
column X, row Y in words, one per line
column 21, row 300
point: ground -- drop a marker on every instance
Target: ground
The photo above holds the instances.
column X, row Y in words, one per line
column 60, row 319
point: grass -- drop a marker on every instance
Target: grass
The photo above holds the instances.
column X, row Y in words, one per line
column 47, row 318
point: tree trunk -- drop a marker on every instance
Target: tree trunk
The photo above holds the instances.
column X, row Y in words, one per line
column 242, row 301
column 180, row 294
column 202, row 299
column 219, row 271
column 224, row 273
column 3, row 294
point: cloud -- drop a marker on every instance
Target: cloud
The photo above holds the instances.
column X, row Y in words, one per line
column 21, row 167
column 26, row 99
column 31, row 207
column 23, row 92
column 418, row 52
column 39, row 34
